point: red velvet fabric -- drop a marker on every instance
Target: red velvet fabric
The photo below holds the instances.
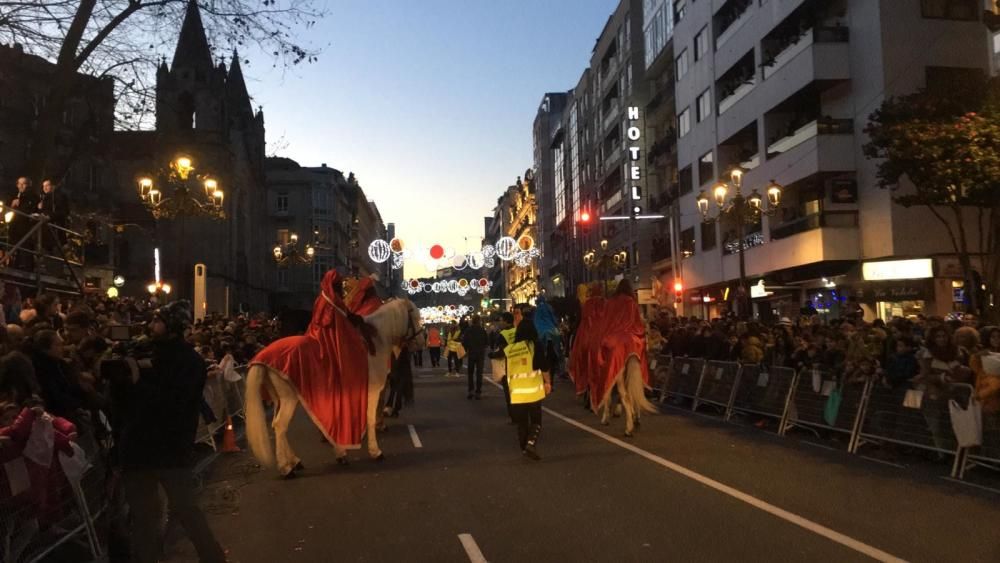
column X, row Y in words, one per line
column 363, row 299
column 49, row 488
column 610, row 331
column 328, row 367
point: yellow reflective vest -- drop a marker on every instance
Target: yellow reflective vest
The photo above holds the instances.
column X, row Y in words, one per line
column 527, row 385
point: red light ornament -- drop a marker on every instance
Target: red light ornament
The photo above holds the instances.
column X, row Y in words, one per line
column 437, row 252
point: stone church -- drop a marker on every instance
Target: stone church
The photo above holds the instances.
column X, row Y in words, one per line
column 203, row 112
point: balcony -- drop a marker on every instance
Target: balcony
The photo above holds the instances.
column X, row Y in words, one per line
column 825, row 219
column 805, row 247
column 832, row 39
column 611, row 115
column 738, row 94
column 612, row 158
column 823, row 126
column 730, row 19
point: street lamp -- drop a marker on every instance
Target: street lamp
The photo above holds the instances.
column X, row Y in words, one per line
column 184, row 197
column 288, row 253
column 605, row 261
column 744, row 209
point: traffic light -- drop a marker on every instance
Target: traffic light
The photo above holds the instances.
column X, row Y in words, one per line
column 585, row 217
column 678, row 291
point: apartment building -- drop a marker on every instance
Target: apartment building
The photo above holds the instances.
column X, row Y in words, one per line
column 783, row 89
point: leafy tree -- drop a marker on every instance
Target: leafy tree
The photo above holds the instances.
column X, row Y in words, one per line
column 125, row 39
column 945, row 140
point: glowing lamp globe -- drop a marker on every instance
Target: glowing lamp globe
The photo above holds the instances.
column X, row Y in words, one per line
column 437, row 252
column 379, row 251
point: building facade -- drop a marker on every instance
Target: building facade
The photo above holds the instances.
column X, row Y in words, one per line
column 519, row 210
column 783, row 89
column 549, row 184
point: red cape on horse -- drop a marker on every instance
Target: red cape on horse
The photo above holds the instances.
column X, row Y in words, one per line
column 611, row 330
column 328, row 366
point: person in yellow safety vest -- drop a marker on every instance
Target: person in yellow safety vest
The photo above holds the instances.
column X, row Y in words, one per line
column 454, row 346
column 530, row 382
column 499, row 340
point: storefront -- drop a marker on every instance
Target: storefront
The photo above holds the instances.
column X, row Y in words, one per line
column 896, row 289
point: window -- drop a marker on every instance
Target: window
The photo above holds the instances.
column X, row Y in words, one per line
column 701, row 44
column 320, row 267
column 284, row 235
column 680, row 10
column 706, row 170
column 282, row 203
column 681, row 65
column 684, row 122
column 321, row 201
column 708, row 235
column 950, row 9
column 687, row 242
column 685, row 180
column 704, row 105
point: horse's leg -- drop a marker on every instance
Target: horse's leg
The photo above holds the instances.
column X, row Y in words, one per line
column 605, row 409
column 626, row 404
column 373, row 393
column 287, row 401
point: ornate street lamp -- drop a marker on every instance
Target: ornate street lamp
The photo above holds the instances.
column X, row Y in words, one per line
column 288, row 253
column 603, row 261
column 744, row 210
column 179, row 193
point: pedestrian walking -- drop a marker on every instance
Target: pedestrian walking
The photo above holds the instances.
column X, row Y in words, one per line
column 530, row 382
column 434, row 346
column 500, row 339
column 160, row 408
column 455, row 350
column 474, row 342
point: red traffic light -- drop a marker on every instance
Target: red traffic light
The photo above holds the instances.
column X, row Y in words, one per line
column 585, row 217
column 678, row 287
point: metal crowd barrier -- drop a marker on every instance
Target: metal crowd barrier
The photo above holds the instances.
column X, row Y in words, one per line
column 718, row 385
column 764, row 391
column 986, row 455
column 683, row 379
column 225, row 399
column 810, row 404
column 30, row 532
column 867, row 413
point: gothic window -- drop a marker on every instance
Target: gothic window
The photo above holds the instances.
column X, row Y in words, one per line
column 186, row 117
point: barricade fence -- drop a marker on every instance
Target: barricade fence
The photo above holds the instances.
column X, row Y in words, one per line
column 864, row 412
column 223, row 395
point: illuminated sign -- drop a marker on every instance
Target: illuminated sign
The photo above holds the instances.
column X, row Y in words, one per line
column 758, row 291
column 634, row 133
column 918, row 269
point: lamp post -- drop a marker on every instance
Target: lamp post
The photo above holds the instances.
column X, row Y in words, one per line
column 178, row 192
column 285, row 254
column 604, row 261
column 743, row 209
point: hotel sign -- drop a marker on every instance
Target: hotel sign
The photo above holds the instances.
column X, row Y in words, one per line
column 634, row 133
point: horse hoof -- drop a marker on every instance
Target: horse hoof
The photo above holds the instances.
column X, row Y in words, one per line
column 299, row 467
column 343, row 461
column 290, row 475
column 629, row 434
column 379, row 459
column 605, row 423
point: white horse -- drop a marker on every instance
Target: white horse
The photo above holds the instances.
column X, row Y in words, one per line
column 397, row 321
column 632, row 392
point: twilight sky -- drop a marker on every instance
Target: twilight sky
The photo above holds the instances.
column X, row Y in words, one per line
column 430, row 103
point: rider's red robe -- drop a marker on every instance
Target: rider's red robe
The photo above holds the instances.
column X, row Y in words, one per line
column 623, row 334
column 328, row 367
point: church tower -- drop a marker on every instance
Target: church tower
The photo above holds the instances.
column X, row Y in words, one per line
column 191, row 93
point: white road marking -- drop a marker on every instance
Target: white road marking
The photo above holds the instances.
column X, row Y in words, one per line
column 414, row 437
column 755, row 502
column 471, row 549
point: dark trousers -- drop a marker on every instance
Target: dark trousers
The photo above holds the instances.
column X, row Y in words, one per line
column 435, row 352
column 476, row 373
column 142, row 493
column 418, row 358
column 506, row 397
column 454, row 363
column 528, row 417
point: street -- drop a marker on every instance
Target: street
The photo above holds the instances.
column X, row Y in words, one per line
column 690, row 489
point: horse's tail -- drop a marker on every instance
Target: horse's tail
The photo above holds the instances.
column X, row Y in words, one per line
column 256, row 422
column 635, row 386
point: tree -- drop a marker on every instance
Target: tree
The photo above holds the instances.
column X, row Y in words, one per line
column 946, row 143
column 125, row 38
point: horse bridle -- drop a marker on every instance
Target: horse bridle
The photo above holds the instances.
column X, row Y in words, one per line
column 412, row 332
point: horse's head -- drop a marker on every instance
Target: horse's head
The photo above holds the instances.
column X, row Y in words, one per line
column 416, row 334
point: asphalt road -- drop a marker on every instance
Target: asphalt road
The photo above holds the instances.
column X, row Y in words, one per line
column 686, row 488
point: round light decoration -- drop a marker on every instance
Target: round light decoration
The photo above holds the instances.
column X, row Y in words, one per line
column 437, row 252
column 458, row 262
column 112, row 292
column 525, row 243
column 397, row 245
column 506, row 249
column 476, row 260
column 118, row 280
column 463, row 283
column 379, row 251
column 461, row 286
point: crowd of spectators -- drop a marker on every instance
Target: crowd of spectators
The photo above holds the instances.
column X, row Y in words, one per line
column 53, row 352
column 924, row 354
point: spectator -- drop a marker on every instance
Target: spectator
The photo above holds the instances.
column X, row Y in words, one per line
column 474, row 342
